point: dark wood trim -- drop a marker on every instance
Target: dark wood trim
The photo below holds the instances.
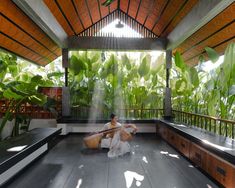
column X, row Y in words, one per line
column 99, row 9
column 208, row 36
column 138, row 9
column 173, row 18
column 109, row 8
column 128, row 7
column 62, row 12
column 118, row 5
column 89, row 12
column 159, row 17
column 45, row 58
column 111, row 43
column 22, row 29
column 76, row 10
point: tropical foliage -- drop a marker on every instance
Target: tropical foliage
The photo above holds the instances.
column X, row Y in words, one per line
column 19, row 85
column 114, row 80
column 199, row 91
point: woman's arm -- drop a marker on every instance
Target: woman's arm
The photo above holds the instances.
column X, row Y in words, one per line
column 133, row 126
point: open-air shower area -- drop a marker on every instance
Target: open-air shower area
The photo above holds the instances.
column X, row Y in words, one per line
column 155, row 79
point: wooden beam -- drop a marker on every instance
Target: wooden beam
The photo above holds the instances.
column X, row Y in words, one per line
column 41, row 15
column 111, row 43
column 201, row 14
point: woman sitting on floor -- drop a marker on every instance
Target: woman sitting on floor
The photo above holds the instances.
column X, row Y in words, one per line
column 116, row 141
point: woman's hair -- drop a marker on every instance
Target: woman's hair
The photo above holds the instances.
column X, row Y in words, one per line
column 112, row 115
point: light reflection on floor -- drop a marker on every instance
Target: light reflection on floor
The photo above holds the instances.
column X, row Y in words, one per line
column 145, row 159
column 81, row 166
column 130, row 176
column 79, row 183
column 16, row 148
column 169, row 154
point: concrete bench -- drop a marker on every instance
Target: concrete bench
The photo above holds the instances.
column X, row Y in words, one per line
column 18, row 152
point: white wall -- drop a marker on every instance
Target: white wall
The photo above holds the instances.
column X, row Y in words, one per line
column 40, row 123
column 7, row 130
column 35, row 123
column 87, row 128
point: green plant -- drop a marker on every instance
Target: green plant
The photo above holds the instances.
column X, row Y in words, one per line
column 122, row 81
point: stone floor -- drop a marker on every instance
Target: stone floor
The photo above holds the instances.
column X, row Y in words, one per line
column 152, row 164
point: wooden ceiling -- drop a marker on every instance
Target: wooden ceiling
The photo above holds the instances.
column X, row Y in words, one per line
column 20, row 35
column 217, row 34
column 158, row 16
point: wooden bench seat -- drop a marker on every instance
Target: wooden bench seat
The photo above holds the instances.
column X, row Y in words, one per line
column 212, row 153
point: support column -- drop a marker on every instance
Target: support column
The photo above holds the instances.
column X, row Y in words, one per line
column 65, row 89
column 167, row 97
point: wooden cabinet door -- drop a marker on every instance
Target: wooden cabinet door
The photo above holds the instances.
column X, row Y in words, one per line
column 172, row 138
column 183, row 146
column 198, row 156
column 221, row 170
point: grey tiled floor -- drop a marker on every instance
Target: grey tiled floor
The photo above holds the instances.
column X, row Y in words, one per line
column 152, row 164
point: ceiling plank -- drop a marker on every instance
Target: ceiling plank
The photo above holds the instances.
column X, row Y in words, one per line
column 9, row 29
column 202, row 13
column 160, row 16
column 99, row 8
column 219, row 22
column 16, row 48
column 89, row 12
column 76, row 10
column 42, row 16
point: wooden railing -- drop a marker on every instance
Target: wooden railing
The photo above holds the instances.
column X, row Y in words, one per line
column 209, row 123
column 127, row 113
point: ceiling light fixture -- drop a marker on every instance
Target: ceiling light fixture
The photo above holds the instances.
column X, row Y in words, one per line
column 119, row 25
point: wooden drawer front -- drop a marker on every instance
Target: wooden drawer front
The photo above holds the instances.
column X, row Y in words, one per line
column 172, row 138
column 198, row 156
column 163, row 131
column 183, row 146
column 222, row 171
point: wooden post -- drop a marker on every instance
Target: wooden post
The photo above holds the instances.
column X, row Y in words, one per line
column 167, row 97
